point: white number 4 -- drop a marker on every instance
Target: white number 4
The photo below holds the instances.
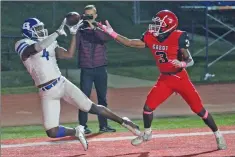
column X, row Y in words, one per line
column 187, row 43
column 26, row 25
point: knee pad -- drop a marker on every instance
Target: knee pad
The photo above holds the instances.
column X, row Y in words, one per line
column 147, row 110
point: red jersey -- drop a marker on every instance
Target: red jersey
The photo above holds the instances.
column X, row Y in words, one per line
column 166, row 50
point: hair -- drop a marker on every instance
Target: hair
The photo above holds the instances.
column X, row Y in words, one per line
column 89, row 7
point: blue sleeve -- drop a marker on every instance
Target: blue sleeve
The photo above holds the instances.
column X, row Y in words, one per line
column 20, row 47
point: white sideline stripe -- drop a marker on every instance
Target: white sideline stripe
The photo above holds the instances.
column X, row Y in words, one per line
column 111, row 139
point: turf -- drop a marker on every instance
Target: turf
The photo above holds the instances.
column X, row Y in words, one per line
column 158, row 124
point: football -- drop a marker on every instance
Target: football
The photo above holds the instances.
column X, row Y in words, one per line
column 72, row 18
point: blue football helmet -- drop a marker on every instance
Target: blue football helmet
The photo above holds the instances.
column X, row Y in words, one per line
column 34, row 29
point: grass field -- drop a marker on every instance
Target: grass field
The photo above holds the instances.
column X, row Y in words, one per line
column 158, row 124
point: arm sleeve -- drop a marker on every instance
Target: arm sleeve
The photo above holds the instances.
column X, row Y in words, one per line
column 184, row 41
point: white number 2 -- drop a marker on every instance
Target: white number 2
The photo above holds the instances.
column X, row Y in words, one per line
column 26, row 25
column 187, row 43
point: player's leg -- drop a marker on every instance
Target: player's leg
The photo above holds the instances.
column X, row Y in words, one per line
column 159, row 93
column 51, row 115
column 191, row 96
column 76, row 97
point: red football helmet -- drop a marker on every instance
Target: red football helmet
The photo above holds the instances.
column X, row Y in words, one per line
column 164, row 21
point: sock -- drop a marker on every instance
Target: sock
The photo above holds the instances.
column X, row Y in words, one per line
column 60, row 132
column 217, row 134
column 147, row 130
column 147, row 117
column 209, row 121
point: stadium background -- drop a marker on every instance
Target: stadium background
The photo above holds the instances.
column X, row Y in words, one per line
column 128, row 67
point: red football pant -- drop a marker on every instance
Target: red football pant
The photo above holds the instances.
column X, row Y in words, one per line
column 180, row 83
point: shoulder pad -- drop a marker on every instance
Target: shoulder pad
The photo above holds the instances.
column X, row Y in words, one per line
column 22, row 44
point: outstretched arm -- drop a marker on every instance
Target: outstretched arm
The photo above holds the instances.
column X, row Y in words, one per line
column 137, row 43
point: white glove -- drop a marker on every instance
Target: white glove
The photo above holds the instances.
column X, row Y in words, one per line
column 73, row 29
column 60, row 30
column 108, row 29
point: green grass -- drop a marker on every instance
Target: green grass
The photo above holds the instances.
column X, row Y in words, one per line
column 158, row 124
column 19, row 90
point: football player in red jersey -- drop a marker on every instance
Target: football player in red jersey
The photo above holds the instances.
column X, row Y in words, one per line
column 169, row 47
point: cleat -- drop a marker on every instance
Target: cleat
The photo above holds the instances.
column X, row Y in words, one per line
column 140, row 139
column 221, row 144
column 131, row 126
column 107, row 129
column 87, row 130
column 80, row 135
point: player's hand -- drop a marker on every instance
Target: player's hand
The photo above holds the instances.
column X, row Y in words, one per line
column 73, row 29
column 178, row 63
column 60, row 30
column 106, row 28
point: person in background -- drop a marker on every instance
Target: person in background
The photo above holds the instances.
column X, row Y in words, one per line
column 92, row 57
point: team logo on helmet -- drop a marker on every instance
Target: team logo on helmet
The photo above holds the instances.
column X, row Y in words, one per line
column 34, row 29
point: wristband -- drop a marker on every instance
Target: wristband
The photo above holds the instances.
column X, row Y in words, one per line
column 183, row 64
column 114, row 35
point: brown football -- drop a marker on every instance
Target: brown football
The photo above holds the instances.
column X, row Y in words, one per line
column 72, row 18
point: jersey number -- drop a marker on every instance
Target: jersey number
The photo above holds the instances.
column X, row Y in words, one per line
column 45, row 54
column 163, row 58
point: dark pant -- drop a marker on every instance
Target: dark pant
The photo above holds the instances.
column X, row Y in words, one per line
column 99, row 77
